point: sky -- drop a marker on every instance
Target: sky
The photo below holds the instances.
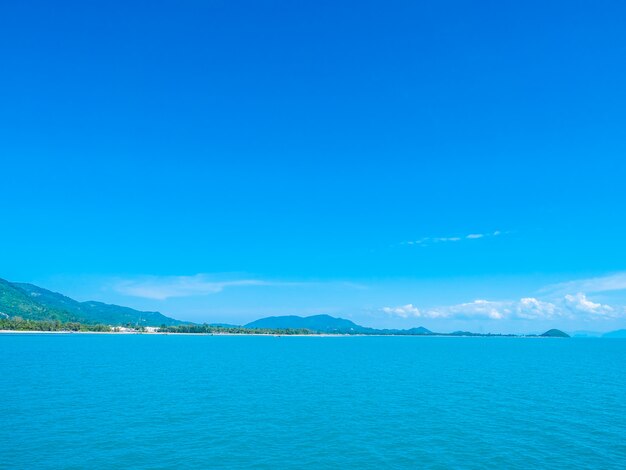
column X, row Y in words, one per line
column 456, row 165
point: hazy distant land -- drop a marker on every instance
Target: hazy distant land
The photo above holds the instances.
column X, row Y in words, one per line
column 26, row 307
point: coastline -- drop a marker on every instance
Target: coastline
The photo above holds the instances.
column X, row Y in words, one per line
column 166, row 333
column 315, row 335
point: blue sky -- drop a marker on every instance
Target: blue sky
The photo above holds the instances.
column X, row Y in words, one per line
column 396, row 163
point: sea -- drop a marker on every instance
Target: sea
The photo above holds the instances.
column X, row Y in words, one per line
column 91, row 401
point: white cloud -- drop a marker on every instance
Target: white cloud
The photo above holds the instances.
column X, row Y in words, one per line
column 530, row 308
column 445, row 239
column 477, row 309
column 579, row 303
column 471, row 236
column 527, row 308
column 404, row 311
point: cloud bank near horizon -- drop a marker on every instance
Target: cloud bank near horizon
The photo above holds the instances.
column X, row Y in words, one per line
column 566, row 300
column 571, row 306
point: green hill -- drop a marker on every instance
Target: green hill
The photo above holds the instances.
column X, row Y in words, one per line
column 554, row 333
column 35, row 303
column 321, row 323
column 15, row 302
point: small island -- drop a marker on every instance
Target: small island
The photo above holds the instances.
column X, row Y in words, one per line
column 554, row 333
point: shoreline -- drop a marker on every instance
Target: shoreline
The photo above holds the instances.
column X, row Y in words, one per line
column 316, row 335
column 165, row 333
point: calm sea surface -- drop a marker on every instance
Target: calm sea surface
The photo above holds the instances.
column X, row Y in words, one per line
column 139, row 401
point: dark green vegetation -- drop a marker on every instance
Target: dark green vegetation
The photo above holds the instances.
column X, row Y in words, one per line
column 332, row 325
column 233, row 330
column 318, row 323
column 328, row 324
column 555, row 334
column 469, row 333
column 34, row 303
column 324, row 324
column 18, row 324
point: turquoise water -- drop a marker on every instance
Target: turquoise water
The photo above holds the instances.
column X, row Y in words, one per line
column 140, row 401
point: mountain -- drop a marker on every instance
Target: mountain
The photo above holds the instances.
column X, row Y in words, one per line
column 16, row 302
column 585, row 334
column 615, row 334
column 328, row 324
column 320, row 323
column 35, row 303
column 420, row 330
column 554, row 333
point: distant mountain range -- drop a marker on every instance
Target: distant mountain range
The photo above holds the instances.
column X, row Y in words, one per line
column 586, row 334
column 35, row 303
column 615, row 334
column 327, row 324
column 597, row 334
column 31, row 302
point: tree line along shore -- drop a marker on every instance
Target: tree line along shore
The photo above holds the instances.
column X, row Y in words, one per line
column 18, row 324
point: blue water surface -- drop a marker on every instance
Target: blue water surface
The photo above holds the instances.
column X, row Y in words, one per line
column 156, row 401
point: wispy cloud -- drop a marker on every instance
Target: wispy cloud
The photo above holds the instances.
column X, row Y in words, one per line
column 527, row 308
column 608, row 283
column 470, row 236
column 165, row 287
